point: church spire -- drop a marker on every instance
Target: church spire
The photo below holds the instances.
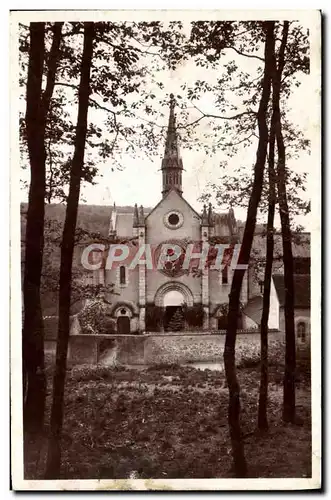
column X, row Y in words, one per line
column 172, row 164
column 135, row 216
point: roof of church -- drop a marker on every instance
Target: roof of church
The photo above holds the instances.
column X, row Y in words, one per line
column 301, row 289
column 300, row 242
column 162, row 199
column 253, row 308
column 96, row 219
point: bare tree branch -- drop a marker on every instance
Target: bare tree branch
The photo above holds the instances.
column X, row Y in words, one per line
column 252, row 56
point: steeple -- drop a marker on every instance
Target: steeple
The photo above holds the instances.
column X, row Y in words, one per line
column 172, row 164
column 112, row 223
column 204, row 217
column 135, row 216
column 141, row 216
column 210, row 215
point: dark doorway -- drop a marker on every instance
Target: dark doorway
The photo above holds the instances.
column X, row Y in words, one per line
column 173, row 319
column 123, row 324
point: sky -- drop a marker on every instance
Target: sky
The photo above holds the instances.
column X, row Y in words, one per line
column 140, row 180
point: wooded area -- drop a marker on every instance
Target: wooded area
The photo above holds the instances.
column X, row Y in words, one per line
column 105, row 67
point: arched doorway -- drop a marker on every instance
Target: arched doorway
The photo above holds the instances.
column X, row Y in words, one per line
column 172, row 296
column 173, row 319
column 124, row 314
column 123, row 324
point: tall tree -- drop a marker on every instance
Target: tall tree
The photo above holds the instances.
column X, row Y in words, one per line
column 262, row 420
column 240, row 466
column 37, row 107
column 290, row 354
column 276, row 132
column 236, row 187
column 67, row 249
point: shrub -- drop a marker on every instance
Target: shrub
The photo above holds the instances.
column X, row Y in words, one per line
column 248, row 355
column 276, row 353
column 176, row 323
column 194, row 315
column 94, row 319
column 154, row 317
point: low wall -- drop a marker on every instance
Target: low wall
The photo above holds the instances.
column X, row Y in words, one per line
column 159, row 348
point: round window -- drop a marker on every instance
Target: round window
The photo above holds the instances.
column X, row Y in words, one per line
column 173, row 219
column 123, row 311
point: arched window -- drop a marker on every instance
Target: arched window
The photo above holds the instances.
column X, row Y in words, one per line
column 122, row 275
column 225, row 278
column 301, row 331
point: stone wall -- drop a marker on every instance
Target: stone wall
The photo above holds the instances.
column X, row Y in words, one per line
column 159, row 348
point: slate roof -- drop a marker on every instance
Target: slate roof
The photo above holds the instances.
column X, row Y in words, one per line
column 300, row 242
column 301, row 289
column 253, row 308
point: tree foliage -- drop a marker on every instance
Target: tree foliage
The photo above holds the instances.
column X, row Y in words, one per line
column 125, row 60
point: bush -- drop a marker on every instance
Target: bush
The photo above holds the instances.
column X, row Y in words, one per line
column 194, row 315
column 94, row 319
column 248, row 355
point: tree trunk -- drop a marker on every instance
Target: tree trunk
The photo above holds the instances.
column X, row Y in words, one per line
column 34, row 380
column 32, row 335
column 290, row 353
column 240, row 466
column 67, row 248
column 262, row 421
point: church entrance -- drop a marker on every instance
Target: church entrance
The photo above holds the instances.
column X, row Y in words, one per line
column 173, row 320
column 123, row 324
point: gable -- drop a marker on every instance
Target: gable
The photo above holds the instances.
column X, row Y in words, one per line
column 157, row 227
column 173, row 196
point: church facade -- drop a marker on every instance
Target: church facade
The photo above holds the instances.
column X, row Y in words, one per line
column 171, row 289
column 173, row 221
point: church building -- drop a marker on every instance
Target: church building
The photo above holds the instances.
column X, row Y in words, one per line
column 173, row 220
column 164, row 296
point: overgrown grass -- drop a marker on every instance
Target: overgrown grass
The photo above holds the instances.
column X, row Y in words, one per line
column 170, row 421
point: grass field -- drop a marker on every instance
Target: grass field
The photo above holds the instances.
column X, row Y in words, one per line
column 171, row 422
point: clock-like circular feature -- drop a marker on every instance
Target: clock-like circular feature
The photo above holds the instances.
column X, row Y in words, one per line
column 169, row 266
column 173, row 219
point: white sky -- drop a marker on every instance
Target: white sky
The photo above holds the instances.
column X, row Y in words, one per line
column 141, row 181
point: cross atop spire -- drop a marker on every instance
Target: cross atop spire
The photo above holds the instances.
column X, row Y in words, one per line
column 172, row 164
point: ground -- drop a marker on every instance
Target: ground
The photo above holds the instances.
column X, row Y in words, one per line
column 171, row 422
